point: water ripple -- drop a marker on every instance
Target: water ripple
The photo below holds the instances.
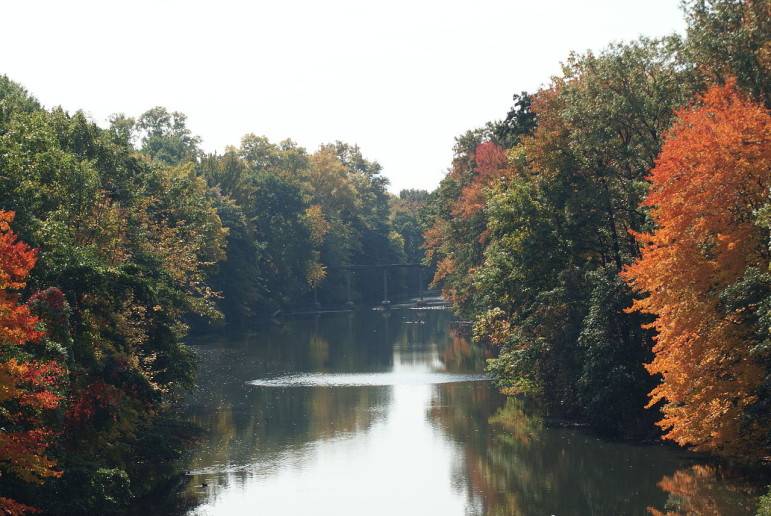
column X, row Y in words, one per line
column 365, row 379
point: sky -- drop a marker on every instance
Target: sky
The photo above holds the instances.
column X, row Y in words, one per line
column 400, row 79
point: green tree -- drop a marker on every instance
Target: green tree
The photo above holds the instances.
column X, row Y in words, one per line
column 129, row 245
column 531, row 245
column 731, row 38
column 164, row 135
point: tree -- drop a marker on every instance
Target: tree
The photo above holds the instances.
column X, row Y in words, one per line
column 731, row 38
column 405, row 219
column 27, row 388
column 129, row 244
column 164, row 135
column 491, row 165
column 520, row 121
column 453, row 242
column 710, row 181
column 557, row 226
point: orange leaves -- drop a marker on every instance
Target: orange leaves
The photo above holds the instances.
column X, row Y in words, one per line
column 10, row 507
column 711, row 177
column 491, row 163
column 17, row 326
column 26, row 388
column 459, row 232
column 16, row 258
column 23, row 454
column 29, row 384
column 702, row 490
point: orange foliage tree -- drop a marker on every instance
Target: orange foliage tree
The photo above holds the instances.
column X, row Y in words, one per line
column 27, row 389
column 455, row 241
column 710, row 181
column 492, row 163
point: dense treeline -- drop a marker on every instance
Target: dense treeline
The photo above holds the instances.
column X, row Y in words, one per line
column 611, row 235
column 111, row 240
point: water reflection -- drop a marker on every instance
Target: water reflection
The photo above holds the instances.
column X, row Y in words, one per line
column 704, row 489
column 398, row 377
column 386, row 413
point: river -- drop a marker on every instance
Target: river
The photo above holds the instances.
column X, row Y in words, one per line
column 387, row 413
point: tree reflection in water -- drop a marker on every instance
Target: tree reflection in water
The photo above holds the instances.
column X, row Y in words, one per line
column 503, row 457
column 706, row 490
column 516, row 462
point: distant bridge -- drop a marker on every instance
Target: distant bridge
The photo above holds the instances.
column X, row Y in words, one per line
column 386, row 267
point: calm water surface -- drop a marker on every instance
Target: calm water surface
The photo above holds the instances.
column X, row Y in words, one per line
column 387, row 413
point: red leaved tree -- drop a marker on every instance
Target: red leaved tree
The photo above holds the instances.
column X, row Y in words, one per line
column 491, row 164
column 27, row 389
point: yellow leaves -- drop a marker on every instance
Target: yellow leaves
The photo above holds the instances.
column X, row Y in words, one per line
column 184, row 238
column 10, row 372
column 103, row 227
column 445, row 267
column 493, row 326
column 315, row 273
column 131, row 322
column 319, row 225
column 331, row 183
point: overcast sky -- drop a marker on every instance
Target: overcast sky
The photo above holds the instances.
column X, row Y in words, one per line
column 400, row 78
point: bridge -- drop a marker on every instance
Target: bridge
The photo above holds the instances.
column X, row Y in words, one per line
column 386, row 303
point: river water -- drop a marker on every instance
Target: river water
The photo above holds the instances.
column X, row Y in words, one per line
column 388, row 413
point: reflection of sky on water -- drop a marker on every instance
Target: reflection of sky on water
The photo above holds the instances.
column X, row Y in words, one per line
column 364, row 414
column 365, row 379
column 400, row 465
column 343, row 425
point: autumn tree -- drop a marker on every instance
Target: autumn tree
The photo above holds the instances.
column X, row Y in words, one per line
column 28, row 389
column 705, row 272
column 129, row 243
column 348, row 198
column 456, row 225
column 546, row 289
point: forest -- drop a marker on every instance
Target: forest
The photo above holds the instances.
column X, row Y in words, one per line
column 609, row 237
column 114, row 242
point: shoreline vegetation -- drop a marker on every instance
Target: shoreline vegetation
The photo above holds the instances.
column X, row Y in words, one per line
column 115, row 242
column 609, row 237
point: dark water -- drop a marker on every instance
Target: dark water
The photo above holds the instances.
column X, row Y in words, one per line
column 378, row 413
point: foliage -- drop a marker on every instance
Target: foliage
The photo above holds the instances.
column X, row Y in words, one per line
column 289, row 214
column 136, row 231
column 709, row 182
column 764, row 505
column 702, row 489
column 28, row 388
column 125, row 246
column 164, row 136
column 548, row 222
column 405, row 219
column 540, row 212
column 732, row 38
